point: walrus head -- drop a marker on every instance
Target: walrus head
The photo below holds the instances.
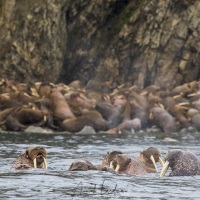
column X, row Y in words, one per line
column 120, row 162
column 151, row 156
column 109, row 157
column 81, row 165
column 37, row 155
column 182, row 163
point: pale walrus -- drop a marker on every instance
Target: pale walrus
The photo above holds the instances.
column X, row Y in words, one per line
column 182, row 163
column 163, row 119
column 32, row 157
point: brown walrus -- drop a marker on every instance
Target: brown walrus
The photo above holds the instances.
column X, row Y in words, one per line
column 148, row 159
column 85, row 165
column 81, row 165
column 21, row 117
column 88, row 118
column 32, row 157
column 108, row 158
column 60, row 107
column 123, row 164
column 182, row 163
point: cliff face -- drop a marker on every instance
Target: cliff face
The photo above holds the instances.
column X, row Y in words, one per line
column 131, row 41
column 32, row 38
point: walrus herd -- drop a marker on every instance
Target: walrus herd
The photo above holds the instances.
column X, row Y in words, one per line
column 108, row 109
column 182, row 163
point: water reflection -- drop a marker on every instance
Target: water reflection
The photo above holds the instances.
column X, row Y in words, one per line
column 62, row 150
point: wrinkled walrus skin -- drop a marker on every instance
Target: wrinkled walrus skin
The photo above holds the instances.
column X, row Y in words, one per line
column 123, row 164
column 182, row 163
column 33, row 157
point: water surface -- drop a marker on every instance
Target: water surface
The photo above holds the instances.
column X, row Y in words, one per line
column 57, row 182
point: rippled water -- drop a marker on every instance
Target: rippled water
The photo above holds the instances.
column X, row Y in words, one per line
column 57, row 182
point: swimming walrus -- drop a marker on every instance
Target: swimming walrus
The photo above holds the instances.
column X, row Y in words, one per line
column 81, row 165
column 123, row 164
column 182, row 163
column 148, row 159
column 109, row 157
column 85, row 165
column 32, row 157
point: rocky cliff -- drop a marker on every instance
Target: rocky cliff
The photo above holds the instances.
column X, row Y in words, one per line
column 117, row 41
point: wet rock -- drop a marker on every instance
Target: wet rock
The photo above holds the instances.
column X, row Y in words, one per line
column 35, row 129
column 87, row 130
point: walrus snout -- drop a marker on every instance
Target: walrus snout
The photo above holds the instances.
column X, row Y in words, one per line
column 38, row 155
column 40, row 158
column 182, row 163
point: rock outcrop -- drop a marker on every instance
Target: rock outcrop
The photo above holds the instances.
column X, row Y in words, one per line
column 131, row 41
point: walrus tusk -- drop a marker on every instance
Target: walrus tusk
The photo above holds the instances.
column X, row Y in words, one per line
column 151, row 116
column 177, row 96
column 35, row 163
column 164, row 169
column 144, row 93
column 45, row 163
column 111, row 165
column 184, row 104
column 161, row 161
column 45, row 119
column 34, row 92
column 161, row 105
column 192, row 94
column 154, row 163
column 117, row 168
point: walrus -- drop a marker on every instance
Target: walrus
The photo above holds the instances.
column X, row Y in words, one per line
column 129, row 125
column 182, row 163
column 33, row 157
column 44, row 89
column 81, row 165
column 137, row 111
column 112, row 114
column 20, row 118
column 6, row 101
column 109, row 157
column 148, row 159
column 60, row 107
column 88, row 118
column 85, row 165
column 163, row 120
column 123, row 164
column 79, row 99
